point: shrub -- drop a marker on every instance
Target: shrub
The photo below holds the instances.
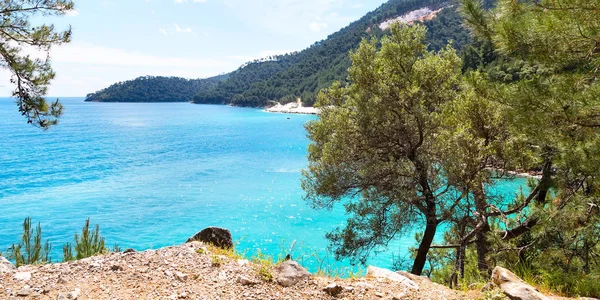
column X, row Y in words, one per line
column 30, row 250
column 88, row 244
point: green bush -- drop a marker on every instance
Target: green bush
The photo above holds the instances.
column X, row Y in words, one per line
column 88, row 244
column 30, row 250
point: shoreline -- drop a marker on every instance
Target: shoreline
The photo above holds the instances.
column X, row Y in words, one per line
column 292, row 108
column 517, row 174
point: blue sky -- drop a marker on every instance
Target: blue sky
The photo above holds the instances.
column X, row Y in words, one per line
column 117, row 40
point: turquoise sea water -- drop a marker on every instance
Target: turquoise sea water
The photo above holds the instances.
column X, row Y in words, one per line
column 152, row 175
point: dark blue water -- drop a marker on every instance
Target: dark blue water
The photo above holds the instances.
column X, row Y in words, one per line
column 152, row 175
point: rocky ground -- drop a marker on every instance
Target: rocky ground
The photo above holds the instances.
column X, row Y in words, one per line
column 195, row 271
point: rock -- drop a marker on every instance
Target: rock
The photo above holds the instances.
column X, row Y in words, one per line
column 488, row 287
column 243, row 280
column 243, row 262
column 130, row 250
column 25, row 276
column 393, row 276
column 70, row 296
column 333, row 289
column 181, row 276
column 378, row 294
column 514, row 287
column 399, row 296
column 74, row 294
column 6, row 266
column 24, row 292
column 219, row 237
column 116, row 268
column 289, row 273
column 62, row 280
column 364, row 285
column 413, row 277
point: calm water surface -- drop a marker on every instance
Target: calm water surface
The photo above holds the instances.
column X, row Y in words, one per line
column 152, row 175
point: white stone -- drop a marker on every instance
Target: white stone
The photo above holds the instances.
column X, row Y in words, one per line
column 181, row 276
column 364, row 285
column 25, row 276
column 6, row 266
column 514, row 287
column 393, row 276
column 243, row 262
column 243, row 280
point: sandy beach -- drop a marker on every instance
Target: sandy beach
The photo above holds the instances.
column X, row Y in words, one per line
column 293, row 108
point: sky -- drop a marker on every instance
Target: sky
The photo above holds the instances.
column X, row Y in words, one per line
column 118, row 40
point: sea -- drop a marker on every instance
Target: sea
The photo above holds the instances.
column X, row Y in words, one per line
column 153, row 174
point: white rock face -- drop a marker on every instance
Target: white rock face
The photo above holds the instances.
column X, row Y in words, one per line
column 393, row 276
column 24, row 276
column 6, row 266
column 514, row 287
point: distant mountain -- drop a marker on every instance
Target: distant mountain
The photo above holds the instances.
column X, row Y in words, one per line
column 155, row 89
column 285, row 78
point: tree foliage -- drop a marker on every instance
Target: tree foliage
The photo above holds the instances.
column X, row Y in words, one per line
column 538, row 63
column 32, row 76
column 374, row 144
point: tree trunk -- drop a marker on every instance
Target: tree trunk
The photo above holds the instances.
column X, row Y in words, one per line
column 546, row 181
column 481, row 243
column 482, row 252
column 424, row 246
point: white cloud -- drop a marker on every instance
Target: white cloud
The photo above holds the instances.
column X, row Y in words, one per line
column 318, row 26
column 87, row 54
column 291, row 16
column 83, row 68
column 195, row 1
column 184, row 30
column 179, row 30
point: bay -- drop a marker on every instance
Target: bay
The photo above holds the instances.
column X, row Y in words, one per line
column 153, row 174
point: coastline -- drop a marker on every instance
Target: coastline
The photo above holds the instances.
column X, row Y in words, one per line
column 293, row 108
column 517, row 174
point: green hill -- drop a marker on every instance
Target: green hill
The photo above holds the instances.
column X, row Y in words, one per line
column 154, row 89
column 285, row 78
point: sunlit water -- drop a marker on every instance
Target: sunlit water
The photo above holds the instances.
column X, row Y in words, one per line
column 152, row 175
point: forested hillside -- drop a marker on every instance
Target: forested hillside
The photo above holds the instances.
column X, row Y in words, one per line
column 154, row 89
column 285, row 78
column 303, row 74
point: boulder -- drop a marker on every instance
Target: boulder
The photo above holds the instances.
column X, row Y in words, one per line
column 289, row 273
column 243, row 280
column 393, row 276
column 514, row 287
column 24, row 292
column 6, row 266
column 219, row 237
column 333, row 289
